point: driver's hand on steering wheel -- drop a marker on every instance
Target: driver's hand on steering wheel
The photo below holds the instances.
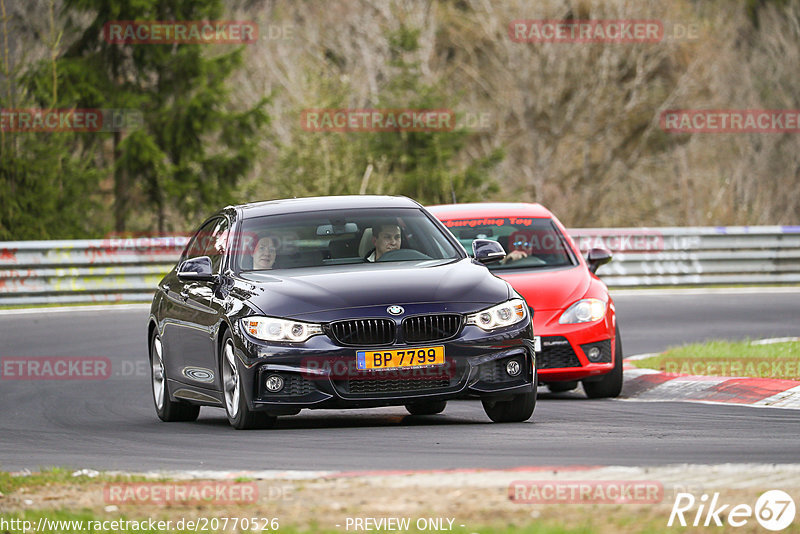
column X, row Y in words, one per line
column 514, row 255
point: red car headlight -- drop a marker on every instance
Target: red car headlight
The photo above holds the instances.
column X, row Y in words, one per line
column 584, row 311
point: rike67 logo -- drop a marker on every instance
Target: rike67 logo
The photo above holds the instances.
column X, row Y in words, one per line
column 774, row 510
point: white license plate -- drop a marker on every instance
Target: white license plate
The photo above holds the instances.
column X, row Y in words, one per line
column 537, row 343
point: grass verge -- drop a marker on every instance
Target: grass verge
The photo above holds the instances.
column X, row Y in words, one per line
column 730, row 358
column 55, row 501
column 55, row 476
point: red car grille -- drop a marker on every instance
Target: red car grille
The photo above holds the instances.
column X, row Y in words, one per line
column 556, row 353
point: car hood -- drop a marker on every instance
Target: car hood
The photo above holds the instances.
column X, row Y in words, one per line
column 552, row 289
column 310, row 293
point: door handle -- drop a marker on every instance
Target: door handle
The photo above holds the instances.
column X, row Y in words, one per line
column 184, row 294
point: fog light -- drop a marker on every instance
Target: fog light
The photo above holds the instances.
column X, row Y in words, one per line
column 513, row 368
column 274, row 383
column 594, row 354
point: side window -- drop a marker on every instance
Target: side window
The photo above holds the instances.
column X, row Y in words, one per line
column 216, row 243
column 210, row 240
column 197, row 243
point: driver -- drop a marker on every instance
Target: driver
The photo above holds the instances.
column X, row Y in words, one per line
column 385, row 237
column 520, row 241
column 265, row 252
column 514, row 255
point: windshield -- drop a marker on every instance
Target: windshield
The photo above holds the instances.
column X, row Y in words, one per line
column 531, row 243
column 339, row 237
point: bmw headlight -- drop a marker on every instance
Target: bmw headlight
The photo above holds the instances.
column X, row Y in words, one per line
column 505, row 314
column 276, row 329
column 584, row 311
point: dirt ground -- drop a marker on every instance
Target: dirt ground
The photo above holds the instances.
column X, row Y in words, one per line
column 461, row 500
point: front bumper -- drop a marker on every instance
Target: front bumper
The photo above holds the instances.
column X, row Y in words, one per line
column 565, row 348
column 322, row 374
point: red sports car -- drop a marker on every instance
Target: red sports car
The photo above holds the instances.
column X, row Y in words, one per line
column 573, row 313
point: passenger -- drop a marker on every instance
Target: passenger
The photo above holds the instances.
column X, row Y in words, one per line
column 385, row 237
column 265, row 253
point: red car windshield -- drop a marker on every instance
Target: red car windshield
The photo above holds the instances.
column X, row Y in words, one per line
column 531, row 243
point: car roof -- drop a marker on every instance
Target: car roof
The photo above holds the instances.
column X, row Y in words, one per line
column 295, row 205
column 490, row 209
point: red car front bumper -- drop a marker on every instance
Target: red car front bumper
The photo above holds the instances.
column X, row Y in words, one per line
column 564, row 346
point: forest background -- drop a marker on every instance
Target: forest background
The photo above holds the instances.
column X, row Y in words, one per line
column 574, row 126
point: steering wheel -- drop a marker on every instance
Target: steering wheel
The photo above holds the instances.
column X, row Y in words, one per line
column 404, row 254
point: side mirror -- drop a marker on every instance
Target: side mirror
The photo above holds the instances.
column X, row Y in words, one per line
column 597, row 257
column 197, row 269
column 487, row 251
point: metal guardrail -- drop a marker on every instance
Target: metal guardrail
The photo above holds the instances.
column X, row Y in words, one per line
column 696, row 255
column 119, row 269
column 85, row 270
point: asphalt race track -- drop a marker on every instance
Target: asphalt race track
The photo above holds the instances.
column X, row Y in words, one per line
column 111, row 424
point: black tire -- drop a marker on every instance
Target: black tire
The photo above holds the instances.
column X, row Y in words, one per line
column 426, row 408
column 561, row 387
column 610, row 386
column 167, row 409
column 518, row 409
column 240, row 416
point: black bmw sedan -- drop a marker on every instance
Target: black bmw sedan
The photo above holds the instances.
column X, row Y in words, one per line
column 336, row 302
